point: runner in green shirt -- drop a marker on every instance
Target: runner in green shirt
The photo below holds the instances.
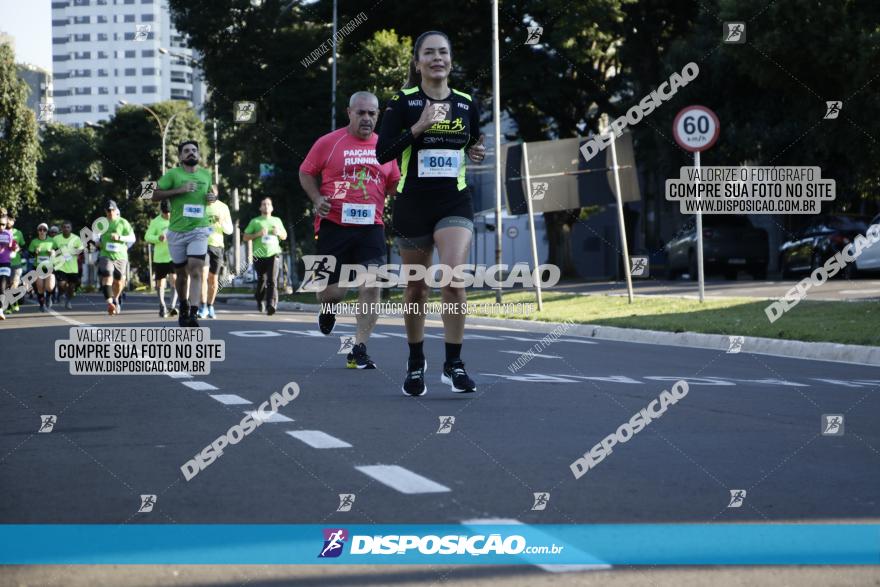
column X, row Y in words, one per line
column 221, row 223
column 16, row 260
column 43, row 249
column 190, row 190
column 157, row 235
column 266, row 231
column 67, row 262
column 113, row 257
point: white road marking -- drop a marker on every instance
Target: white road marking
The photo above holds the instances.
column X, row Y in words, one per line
column 230, row 399
column 254, row 333
column 179, row 375
column 531, row 354
column 318, row 439
column 600, row 566
column 274, row 417
column 199, row 385
column 577, row 340
column 402, row 480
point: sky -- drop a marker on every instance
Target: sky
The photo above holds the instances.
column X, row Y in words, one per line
column 30, row 22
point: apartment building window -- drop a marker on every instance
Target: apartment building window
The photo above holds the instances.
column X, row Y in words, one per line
column 102, row 19
column 130, row 71
column 86, row 108
column 148, row 71
column 81, row 19
column 82, row 54
column 62, row 93
column 128, row 2
column 129, row 36
column 84, row 37
column 130, row 54
column 149, row 90
column 128, row 18
column 103, row 108
column 148, row 53
column 147, row 18
column 60, row 40
column 103, row 73
column 60, row 5
column 146, row 1
column 82, row 91
column 131, row 89
column 102, row 36
column 62, row 111
column 103, row 91
column 60, row 22
column 60, row 57
column 81, row 2
column 102, row 55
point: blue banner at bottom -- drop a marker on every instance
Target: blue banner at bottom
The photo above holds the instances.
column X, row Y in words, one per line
column 492, row 544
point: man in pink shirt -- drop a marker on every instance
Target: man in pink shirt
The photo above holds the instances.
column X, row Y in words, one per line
column 348, row 187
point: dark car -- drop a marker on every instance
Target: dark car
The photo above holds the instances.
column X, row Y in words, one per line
column 821, row 239
column 730, row 243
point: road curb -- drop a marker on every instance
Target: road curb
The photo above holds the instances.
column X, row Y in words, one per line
column 796, row 349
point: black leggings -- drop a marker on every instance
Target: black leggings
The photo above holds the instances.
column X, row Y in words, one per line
column 267, row 279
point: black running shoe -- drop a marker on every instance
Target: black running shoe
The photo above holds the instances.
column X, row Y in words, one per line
column 270, row 310
column 359, row 359
column 162, row 311
column 193, row 317
column 261, row 307
column 457, row 378
column 414, row 384
column 183, row 317
column 326, row 322
column 172, row 312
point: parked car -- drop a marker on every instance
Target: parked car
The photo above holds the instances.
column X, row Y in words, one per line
column 823, row 237
column 730, row 243
column 869, row 260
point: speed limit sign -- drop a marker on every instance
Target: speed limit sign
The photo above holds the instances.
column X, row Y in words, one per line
column 696, row 128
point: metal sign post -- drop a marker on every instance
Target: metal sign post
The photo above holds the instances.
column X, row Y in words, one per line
column 625, row 249
column 696, row 128
column 533, row 241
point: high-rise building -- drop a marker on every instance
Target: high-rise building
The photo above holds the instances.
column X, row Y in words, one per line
column 7, row 39
column 40, row 99
column 104, row 51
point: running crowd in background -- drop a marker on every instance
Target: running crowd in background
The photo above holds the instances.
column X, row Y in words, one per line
column 418, row 158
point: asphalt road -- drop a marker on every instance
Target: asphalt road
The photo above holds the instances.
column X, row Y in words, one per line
column 749, row 422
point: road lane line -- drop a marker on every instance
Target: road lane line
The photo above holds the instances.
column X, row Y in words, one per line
column 402, row 480
column 600, row 566
column 318, row 439
column 540, row 356
column 230, row 399
column 199, row 385
column 274, row 417
column 179, row 375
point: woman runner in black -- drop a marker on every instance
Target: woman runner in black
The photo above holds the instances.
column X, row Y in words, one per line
column 430, row 127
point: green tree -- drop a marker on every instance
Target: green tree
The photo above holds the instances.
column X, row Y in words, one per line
column 19, row 146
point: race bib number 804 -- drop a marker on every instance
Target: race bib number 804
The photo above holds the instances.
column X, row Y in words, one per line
column 439, row 162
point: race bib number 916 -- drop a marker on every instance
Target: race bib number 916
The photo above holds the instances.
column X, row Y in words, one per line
column 358, row 213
